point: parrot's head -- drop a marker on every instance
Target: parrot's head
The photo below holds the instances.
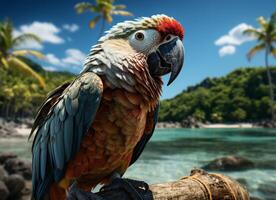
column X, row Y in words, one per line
column 135, row 54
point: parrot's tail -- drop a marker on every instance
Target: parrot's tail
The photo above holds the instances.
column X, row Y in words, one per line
column 57, row 192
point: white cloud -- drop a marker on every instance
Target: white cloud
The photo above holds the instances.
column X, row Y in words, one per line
column 227, row 50
column 71, row 27
column 51, row 58
column 47, row 31
column 73, row 58
column 235, row 36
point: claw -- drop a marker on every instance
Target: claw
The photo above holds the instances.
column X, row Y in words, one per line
column 78, row 194
column 135, row 189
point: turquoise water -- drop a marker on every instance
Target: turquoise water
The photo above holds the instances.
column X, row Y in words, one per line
column 172, row 153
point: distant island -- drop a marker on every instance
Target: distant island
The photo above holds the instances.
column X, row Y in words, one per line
column 241, row 96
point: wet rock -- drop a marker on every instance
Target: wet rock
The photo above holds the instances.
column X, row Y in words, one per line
column 268, row 189
column 191, row 122
column 19, row 166
column 229, row 163
column 4, row 191
column 5, row 156
column 254, row 198
column 15, row 183
column 242, row 181
column 3, row 173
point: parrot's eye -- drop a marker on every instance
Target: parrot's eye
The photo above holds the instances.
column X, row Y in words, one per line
column 139, row 36
column 144, row 40
column 168, row 37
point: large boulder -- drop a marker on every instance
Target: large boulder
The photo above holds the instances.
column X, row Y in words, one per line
column 266, row 124
column 15, row 183
column 3, row 173
column 4, row 191
column 5, row 156
column 191, row 122
column 19, row 166
column 229, row 163
column 7, row 129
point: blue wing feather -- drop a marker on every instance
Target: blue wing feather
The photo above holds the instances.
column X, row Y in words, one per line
column 59, row 133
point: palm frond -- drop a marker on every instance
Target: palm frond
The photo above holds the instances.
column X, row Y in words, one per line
column 108, row 17
column 252, row 32
column 19, row 65
column 121, row 12
column 25, row 37
column 119, row 7
column 6, row 28
column 263, row 22
column 4, row 63
column 254, row 50
column 34, row 53
column 84, row 7
column 94, row 21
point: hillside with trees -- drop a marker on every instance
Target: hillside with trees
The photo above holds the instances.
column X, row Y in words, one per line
column 241, row 96
column 21, row 95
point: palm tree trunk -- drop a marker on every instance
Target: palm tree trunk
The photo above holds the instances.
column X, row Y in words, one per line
column 271, row 92
column 102, row 28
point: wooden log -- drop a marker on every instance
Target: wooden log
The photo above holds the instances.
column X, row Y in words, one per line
column 198, row 186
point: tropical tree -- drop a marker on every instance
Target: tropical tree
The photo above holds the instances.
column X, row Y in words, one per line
column 104, row 9
column 265, row 36
column 11, row 57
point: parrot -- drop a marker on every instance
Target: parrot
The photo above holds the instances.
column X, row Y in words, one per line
column 90, row 130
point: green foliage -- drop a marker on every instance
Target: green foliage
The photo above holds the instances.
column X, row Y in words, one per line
column 242, row 95
column 21, row 95
column 103, row 10
column 13, row 59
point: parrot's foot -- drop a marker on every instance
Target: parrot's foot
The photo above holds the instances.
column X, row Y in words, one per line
column 76, row 193
column 135, row 189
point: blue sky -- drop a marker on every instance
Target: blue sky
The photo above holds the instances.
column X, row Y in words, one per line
column 211, row 51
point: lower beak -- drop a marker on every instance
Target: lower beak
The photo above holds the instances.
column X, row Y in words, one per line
column 168, row 57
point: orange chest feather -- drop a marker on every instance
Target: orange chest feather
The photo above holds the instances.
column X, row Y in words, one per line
column 117, row 128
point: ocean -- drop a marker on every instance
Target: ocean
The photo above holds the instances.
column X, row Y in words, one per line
column 173, row 153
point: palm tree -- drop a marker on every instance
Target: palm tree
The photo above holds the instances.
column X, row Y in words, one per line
column 104, row 10
column 10, row 57
column 265, row 36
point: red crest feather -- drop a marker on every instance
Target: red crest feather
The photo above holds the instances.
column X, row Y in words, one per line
column 170, row 26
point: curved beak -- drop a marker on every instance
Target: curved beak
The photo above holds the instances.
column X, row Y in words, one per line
column 169, row 57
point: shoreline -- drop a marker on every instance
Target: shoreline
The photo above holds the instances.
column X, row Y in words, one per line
column 163, row 125
column 11, row 129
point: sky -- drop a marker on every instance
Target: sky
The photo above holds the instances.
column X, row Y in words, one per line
column 213, row 37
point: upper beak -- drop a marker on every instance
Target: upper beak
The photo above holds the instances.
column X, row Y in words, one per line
column 168, row 57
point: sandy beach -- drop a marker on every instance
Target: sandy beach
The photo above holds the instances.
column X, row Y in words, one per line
column 236, row 125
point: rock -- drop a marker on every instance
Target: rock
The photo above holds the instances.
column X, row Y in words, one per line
column 7, row 128
column 191, row 122
column 5, row 156
column 19, row 166
column 266, row 124
column 268, row 189
column 3, row 173
column 15, row 184
column 168, row 125
column 229, row 163
column 4, row 191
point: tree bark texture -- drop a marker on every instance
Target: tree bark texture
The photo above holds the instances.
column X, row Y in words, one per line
column 198, row 186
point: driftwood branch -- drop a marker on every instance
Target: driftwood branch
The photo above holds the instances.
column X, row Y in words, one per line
column 198, row 186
